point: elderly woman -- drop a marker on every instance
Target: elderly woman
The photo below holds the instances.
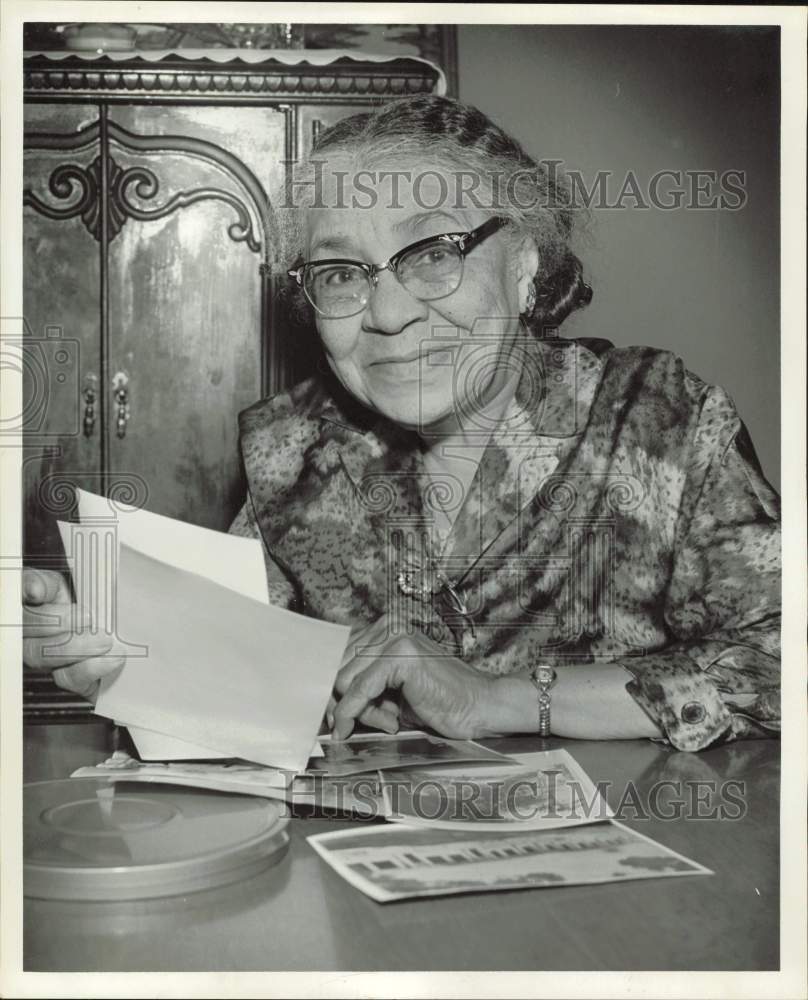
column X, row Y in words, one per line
column 527, row 534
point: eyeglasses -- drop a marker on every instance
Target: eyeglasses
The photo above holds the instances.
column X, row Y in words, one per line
column 429, row 269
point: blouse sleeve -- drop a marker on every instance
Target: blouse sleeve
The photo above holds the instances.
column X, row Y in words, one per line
column 720, row 679
column 281, row 591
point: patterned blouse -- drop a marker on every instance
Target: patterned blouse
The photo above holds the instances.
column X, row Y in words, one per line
column 618, row 514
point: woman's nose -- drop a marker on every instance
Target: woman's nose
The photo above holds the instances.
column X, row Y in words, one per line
column 391, row 308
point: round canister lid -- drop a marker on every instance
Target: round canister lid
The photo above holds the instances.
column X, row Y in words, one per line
column 96, row 839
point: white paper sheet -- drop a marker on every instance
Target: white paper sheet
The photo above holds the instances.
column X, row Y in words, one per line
column 230, row 560
column 250, row 680
column 161, row 747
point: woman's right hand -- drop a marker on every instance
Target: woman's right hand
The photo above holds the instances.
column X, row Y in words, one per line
column 385, row 713
column 57, row 636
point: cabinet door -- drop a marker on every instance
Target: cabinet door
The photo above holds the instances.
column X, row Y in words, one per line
column 59, row 349
column 186, row 298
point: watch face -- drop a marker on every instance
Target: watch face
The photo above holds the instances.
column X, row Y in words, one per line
column 545, row 675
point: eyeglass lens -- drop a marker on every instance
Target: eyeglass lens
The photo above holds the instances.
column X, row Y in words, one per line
column 428, row 272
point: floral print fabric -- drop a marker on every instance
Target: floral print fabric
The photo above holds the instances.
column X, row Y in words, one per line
column 618, row 514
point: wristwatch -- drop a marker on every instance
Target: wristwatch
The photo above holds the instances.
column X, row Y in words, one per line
column 543, row 677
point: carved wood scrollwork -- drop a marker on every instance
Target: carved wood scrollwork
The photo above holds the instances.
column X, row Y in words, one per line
column 254, row 224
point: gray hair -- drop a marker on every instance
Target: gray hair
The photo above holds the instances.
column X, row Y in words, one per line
column 535, row 198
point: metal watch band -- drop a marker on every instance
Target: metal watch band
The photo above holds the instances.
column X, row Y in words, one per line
column 543, row 678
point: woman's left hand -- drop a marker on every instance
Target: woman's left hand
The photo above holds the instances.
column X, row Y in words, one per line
column 443, row 692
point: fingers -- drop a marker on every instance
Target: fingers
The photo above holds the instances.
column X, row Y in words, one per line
column 390, row 705
column 364, row 689
column 52, row 651
column 89, row 691
column 347, row 672
column 53, row 619
column 408, row 719
column 348, row 653
column 366, row 635
column 83, row 678
column 378, row 717
column 44, row 586
column 384, row 716
column 364, row 646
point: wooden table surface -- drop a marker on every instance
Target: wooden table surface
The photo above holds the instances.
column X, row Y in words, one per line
column 300, row 915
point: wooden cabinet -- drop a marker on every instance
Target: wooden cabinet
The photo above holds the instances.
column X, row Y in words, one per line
column 152, row 272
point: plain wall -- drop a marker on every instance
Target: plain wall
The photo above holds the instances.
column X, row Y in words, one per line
column 702, row 283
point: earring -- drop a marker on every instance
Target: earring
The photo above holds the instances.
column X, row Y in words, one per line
column 530, row 304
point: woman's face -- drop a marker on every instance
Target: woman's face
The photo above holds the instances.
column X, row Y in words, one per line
column 418, row 363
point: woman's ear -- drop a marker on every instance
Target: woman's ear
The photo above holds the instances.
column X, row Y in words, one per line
column 527, row 267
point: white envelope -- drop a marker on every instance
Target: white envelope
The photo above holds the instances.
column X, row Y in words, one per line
column 228, row 561
column 232, row 561
column 160, row 746
column 217, row 669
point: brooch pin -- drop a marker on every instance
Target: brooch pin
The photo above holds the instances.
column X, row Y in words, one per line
column 412, row 584
column 406, row 584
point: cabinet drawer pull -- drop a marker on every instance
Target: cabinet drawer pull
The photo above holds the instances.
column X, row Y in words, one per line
column 89, row 394
column 120, row 389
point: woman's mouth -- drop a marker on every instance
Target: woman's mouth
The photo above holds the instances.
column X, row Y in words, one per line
column 409, row 358
column 397, row 359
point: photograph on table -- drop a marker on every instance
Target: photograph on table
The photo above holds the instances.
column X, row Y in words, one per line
column 545, row 790
column 381, row 751
column 403, row 862
column 359, row 793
